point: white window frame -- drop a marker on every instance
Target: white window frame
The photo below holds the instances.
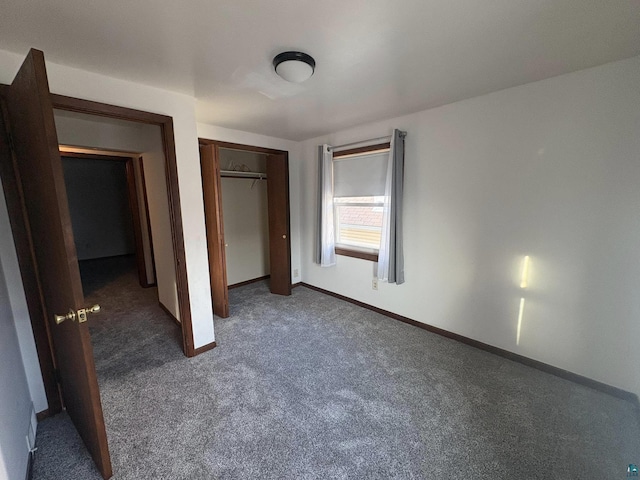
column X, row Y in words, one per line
column 348, row 246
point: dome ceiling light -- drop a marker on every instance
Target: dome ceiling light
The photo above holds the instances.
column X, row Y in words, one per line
column 294, row 67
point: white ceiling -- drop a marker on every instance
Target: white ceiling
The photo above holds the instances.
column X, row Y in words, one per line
column 375, row 58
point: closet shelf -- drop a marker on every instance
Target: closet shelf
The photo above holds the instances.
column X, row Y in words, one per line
column 238, row 174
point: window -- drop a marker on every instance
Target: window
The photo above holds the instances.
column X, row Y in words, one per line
column 359, row 181
column 358, row 222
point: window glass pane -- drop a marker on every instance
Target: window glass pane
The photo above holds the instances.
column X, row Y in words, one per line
column 358, row 225
column 377, row 200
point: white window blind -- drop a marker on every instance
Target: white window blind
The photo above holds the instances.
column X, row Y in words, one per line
column 360, row 176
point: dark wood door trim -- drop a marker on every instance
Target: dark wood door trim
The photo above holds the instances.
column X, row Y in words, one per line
column 79, row 105
column 239, row 146
column 143, row 185
column 134, row 208
column 94, row 156
column 211, row 191
column 213, row 206
column 165, row 123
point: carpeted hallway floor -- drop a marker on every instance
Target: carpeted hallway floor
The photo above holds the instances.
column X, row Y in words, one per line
column 311, row 387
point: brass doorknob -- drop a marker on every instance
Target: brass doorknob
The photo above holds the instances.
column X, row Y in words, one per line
column 284, row 236
column 94, row 309
column 61, row 318
column 81, row 315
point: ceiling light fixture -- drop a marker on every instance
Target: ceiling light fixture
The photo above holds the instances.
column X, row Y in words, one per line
column 294, row 67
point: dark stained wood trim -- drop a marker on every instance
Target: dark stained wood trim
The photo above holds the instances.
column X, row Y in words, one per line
column 356, row 254
column 238, row 146
column 78, row 105
column 143, row 184
column 134, row 208
column 296, row 285
column 177, row 235
column 62, row 102
column 213, row 215
column 206, row 348
column 171, row 315
column 356, row 151
column 544, row 367
column 21, row 231
column 93, row 156
column 276, row 222
column 248, row 282
column 40, row 416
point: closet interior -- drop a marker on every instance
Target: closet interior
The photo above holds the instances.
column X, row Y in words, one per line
column 245, row 214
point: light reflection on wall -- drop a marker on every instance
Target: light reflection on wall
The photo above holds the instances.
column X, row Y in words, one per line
column 524, row 283
column 520, row 313
column 524, row 278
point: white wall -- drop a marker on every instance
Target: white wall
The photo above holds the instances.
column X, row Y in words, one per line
column 91, row 131
column 15, row 400
column 17, row 303
column 99, row 207
column 549, row 169
column 246, row 218
column 211, row 132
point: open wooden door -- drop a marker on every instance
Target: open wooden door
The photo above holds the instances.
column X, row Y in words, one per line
column 39, row 168
column 212, row 191
column 279, row 234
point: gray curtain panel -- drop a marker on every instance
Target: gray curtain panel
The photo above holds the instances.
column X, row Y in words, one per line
column 319, row 205
column 325, row 241
column 396, row 244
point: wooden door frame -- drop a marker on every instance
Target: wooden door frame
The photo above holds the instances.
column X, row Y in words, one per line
column 61, row 102
column 145, row 198
column 24, row 247
column 214, row 224
column 133, row 194
column 213, row 204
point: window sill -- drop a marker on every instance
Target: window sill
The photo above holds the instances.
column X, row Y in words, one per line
column 373, row 257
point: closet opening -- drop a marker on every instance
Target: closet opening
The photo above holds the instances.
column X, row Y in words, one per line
column 246, row 215
column 246, row 201
column 109, row 208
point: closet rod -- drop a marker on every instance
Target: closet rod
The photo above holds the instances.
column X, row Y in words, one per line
column 239, row 174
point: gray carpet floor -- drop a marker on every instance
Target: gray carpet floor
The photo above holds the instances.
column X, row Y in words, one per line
column 312, row 387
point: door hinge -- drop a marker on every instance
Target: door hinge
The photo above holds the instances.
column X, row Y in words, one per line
column 56, row 374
